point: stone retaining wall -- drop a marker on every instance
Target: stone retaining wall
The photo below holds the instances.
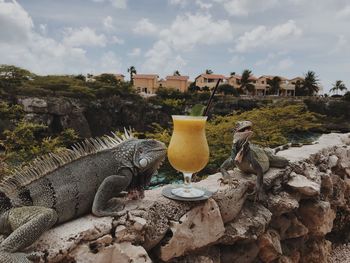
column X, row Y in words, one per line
column 304, row 202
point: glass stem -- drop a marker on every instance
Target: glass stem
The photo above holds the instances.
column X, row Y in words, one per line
column 187, row 181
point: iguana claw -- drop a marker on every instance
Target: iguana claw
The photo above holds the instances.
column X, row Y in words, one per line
column 230, row 181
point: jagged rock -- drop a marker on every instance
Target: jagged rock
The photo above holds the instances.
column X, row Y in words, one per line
column 296, row 229
column 45, row 119
column 282, row 203
column 35, row 105
column 226, row 196
column 248, row 225
column 56, row 244
column 316, row 251
column 198, row 228
column 121, row 253
column 206, row 255
column 332, row 161
column 326, row 182
column 270, row 246
column 317, row 216
column 303, row 185
column 244, row 253
column 60, row 106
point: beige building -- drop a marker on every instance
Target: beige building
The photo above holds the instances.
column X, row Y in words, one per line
column 208, row 80
column 234, row 80
column 179, row 83
column 146, row 83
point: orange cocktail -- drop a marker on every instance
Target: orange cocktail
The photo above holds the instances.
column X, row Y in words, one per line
column 188, row 151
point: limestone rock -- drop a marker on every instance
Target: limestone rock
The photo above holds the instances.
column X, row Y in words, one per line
column 198, row 228
column 282, row 203
column 317, row 251
column 59, row 241
column 36, row 105
column 246, row 253
column 303, row 185
column 317, row 216
column 332, row 161
column 121, row 253
column 296, row 229
column 248, row 225
column 230, row 200
column 207, row 255
column 270, row 246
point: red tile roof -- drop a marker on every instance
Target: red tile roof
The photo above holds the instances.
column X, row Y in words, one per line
column 177, row 77
column 235, row 76
column 145, row 76
column 211, row 76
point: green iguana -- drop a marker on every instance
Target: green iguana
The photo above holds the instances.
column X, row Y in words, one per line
column 59, row 187
column 250, row 158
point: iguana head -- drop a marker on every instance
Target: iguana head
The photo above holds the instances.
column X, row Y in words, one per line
column 243, row 131
column 148, row 157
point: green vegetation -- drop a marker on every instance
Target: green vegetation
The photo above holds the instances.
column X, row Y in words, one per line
column 17, row 81
column 246, row 82
column 273, row 126
column 338, row 86
column 22, row 141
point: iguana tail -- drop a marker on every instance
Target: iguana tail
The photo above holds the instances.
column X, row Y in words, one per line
column 276, row 161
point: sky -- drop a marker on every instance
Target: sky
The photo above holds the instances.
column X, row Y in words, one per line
column 270, row 37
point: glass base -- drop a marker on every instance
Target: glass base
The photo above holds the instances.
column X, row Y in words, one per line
column 187, row 192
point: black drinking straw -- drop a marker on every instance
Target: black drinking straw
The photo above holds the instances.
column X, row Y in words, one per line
column 205, row 113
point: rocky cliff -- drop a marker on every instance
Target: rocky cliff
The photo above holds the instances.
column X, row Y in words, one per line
column 306, row 209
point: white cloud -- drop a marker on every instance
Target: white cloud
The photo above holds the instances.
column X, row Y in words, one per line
column 15, row 23
column 181, row 3
column 246, row 7
column 116, row 40
column 108, row 23
column 145, row 27
column 344, row 12
column 84, row 36
column 189, row 30
column 43, row 29
column 116, row 3
column 135, row 52
column 262, row 36
column 237, row 61
column 285, row 64
column 340, row 46
column 110, row 63
column 162, row 60
column 204, row 5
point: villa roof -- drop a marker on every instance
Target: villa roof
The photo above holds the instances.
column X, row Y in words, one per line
column 145, row 76
column 177, row 77
column 212, row 76
column 297, row 78
column 235, row 76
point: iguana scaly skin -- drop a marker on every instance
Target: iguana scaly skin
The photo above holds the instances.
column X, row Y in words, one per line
column 59, row 187
column 250, row 158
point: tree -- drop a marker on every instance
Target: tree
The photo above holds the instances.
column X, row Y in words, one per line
column 232, row 73
column 108, row 79
column 228, row 89
column 176, row 73
column 208, row 71
column 310, row 83
column 193, row 87
column 12, row 77
column 274, row 85
column 338, row 86
column 246, row 81
column 132, row 71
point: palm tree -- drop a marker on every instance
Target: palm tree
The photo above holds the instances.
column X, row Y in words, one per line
column 176, row 73
column 310, row 83
column 208, row 71
column 232, row 73
column 246, row 81
column 274, row 85
column 132, row 71
column 338, row 86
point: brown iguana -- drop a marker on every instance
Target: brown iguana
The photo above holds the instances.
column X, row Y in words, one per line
column 59, row 187
column 250, row 158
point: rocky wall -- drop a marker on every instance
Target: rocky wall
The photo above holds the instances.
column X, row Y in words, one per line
column 306, row 205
